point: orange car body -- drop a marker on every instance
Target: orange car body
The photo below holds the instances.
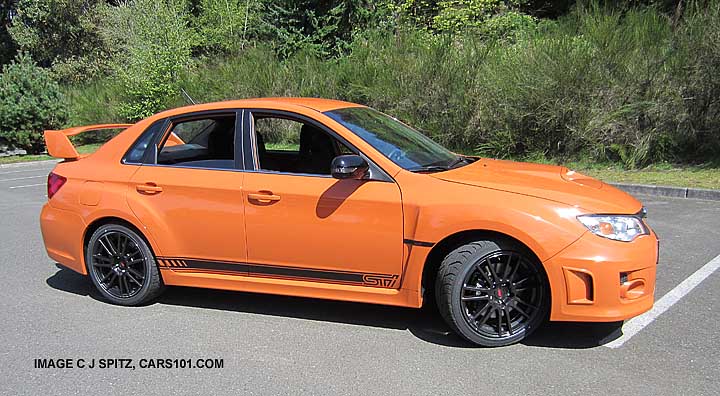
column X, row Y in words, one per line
column 352, row 240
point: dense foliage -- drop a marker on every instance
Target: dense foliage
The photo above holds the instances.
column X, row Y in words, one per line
column 30, row 102
column 628, row 81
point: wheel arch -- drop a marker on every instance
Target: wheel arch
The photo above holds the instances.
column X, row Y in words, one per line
column 109, row 219
column 452, row 241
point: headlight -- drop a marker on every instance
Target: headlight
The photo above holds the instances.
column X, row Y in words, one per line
column 620, row 228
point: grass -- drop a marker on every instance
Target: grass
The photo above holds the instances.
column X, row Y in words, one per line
column 84, row 149
column 696, row 177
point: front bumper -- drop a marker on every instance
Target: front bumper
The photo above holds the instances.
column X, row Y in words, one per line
column 600, row 280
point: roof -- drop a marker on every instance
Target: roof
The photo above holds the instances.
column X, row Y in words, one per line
column 316, row 104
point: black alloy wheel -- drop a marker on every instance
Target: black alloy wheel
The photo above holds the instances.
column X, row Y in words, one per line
column 121, row 265
column 492, row 293
column 501, row 294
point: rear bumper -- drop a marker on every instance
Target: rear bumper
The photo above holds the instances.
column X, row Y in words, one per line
column 62, row 233
column 600, row 280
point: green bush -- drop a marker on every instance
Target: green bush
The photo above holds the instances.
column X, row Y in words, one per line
column 30, row 102
column 227, row 25
column 157, row 43
column 598, row 83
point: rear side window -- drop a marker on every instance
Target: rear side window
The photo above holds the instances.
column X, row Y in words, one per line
column 200, row 142
column 137, row 150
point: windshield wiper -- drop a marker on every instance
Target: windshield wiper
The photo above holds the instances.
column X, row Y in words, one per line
column 441, row 168
column 429, row 168
column 457, row 161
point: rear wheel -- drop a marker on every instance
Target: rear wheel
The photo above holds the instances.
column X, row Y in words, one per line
column 492, row 292
column 122, row 266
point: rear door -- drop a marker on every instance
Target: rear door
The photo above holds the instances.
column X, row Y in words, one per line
column 189, row 193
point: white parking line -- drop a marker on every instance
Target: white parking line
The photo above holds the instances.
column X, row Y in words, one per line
column 28, row 185
column 634, row 325
column 22, row 178
column 26, row 170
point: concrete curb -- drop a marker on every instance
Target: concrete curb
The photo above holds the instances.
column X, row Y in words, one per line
column 675, row 192
column 28, row 163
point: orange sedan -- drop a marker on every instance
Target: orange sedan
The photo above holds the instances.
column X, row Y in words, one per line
column 328, row 199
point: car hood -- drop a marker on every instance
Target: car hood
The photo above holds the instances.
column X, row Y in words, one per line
column 549, row 182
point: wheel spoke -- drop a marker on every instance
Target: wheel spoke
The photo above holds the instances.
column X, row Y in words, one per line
column 100, row 256
column 120, row 285
column 520, row 300
column 498, row 314
column 523, row 280
column 116, row 245
column 484, row 274
column 112, row 280
column 136, row 273
column 507, row 317
column 102, row 265
column 515, row 269
column 122, row 244
column 521, row 311
column 495, row 277
column 477, row 289
column 124, row 280
column 508, row 267
column 110, row 250
column 130, row 277
column 480, row 312
column 475, row 298
column 485, row 317
column 526, row 287
column 106, row 277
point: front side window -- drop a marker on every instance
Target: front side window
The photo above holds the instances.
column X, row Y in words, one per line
column 293, row 146
column 202, row 142
column 403, row 145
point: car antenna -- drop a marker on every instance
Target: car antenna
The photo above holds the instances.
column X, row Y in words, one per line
column 187, row 97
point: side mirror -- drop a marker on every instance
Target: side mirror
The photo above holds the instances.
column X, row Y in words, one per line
column 348, row 167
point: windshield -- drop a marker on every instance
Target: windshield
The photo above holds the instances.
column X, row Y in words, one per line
column 403, row 145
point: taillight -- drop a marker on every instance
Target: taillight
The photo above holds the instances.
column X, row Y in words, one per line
column 54, row 184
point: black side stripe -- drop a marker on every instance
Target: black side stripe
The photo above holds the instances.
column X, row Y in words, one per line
column 418, row 243
column 238, row 268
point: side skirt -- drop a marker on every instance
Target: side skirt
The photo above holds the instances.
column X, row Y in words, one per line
column 279, row 272
column 291, row 287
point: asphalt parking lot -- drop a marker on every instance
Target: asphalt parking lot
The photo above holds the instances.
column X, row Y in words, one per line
column 284, row 345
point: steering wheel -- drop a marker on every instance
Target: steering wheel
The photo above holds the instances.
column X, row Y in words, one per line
column 396, row 155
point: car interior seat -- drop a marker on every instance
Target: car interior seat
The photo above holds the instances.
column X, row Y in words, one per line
column 317, row 150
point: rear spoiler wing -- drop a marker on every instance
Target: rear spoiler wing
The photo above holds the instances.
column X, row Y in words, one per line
column 59, row 146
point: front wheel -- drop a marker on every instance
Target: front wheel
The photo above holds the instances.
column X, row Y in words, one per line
column 492, row 292
column 122, row 266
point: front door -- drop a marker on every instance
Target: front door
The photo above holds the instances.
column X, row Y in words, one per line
column 303, row 224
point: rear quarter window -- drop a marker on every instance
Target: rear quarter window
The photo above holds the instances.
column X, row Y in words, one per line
column 137, row 151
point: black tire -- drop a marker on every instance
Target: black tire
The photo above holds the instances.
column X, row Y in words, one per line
column 492, row 292
column 122, row 266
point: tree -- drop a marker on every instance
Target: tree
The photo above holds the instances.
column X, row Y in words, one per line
column 324, row 27
column 30, row 102
column 7, row 45
column 157, row 42
column 62, row 34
